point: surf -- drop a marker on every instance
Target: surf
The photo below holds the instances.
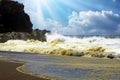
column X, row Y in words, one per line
column 58, row 44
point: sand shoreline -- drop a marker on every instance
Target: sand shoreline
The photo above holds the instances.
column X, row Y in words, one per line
column 12, row 71
column 104, row 67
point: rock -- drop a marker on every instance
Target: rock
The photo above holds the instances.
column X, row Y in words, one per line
column 16, row 24
column 111, row 56
column 39, row 35
column 13, row 18
column 78, row 54
column 14, row 35
column 98, row 55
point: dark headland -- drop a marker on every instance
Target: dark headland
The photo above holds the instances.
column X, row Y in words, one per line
column 15, row 23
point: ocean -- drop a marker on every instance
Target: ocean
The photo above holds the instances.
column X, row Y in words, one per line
column 66, row 67
column 67, row 45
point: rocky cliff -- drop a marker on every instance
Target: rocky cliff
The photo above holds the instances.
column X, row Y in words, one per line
column 13, row 17
column 35, row 34
column 16, row 24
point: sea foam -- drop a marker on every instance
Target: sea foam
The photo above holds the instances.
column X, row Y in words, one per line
column 64, row 45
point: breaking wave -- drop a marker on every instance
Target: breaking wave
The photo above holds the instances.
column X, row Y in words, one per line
column 64, row 45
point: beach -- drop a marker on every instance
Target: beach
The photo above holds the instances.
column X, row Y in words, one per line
column 59, row 40
column 57, row 67
column 8, row 72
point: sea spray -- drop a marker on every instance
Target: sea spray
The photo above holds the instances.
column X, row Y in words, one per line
column 64, row 45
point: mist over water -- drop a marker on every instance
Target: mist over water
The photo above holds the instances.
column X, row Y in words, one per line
column 65, row 45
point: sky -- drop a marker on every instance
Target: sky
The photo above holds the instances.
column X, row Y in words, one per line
column 75, row 17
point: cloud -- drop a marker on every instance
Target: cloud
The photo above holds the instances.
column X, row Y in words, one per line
column 79, row 23
column 91, row 22
column 114, row 0
column 88, row 23
column 84, row 23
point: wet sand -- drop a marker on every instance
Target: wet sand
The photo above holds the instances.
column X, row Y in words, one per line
column 63, row 67
column 8, row 72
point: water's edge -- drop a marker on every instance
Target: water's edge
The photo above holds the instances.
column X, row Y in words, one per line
column 64, row 67
column 21, row 68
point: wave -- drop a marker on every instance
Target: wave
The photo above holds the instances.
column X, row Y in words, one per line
column 64, row 45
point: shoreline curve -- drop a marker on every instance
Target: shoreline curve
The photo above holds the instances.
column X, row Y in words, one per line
column 13, row 70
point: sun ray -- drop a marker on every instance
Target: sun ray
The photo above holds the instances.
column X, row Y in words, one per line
column 49, row 9
column 39, row 11
column 70, row 4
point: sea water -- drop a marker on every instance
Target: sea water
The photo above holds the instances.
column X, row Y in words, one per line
column 65, row 67
column 67, row 45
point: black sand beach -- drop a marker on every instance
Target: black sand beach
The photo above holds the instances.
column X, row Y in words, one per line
column 8, row 72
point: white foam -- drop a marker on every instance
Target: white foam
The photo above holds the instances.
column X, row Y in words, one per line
column 57, row 44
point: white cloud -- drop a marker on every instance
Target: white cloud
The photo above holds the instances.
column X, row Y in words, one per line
column 86, row 23
column 89, row 22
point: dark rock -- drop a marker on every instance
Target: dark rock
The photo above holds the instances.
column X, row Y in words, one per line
column 16, row 24
column 98, row 55
column 78, row 54
column 13, row 18
column 111, row 56
column 14, row 35
column 39, row 35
